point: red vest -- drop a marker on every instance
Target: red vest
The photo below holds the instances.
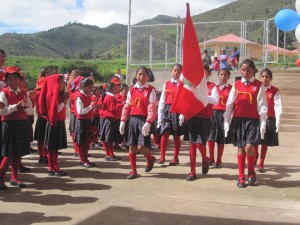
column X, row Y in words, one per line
column 207, row 111
column 139, row 100
column 223, row 97
column 170, row 92
column 87, row 100
column 13, row 99
column 245, row 104
column 270, row 93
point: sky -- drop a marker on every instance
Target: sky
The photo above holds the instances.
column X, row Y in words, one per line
column 30, row 16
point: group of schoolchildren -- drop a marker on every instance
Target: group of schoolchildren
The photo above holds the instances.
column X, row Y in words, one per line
column 246, row 114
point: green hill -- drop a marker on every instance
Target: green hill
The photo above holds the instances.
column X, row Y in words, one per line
column 79, row 41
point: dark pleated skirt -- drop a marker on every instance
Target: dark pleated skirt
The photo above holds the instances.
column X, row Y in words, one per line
column 110, row 131
column 72, row 122
column 96, row 122
column 15, row 139
column 55, row 136
column 39, row 131
column 245, row 131
column 198, row 130
column 135, row 136
column 170, row 122
column 271, row 137
column 80, row 130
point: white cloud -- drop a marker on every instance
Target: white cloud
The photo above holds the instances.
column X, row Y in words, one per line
column 36, row 15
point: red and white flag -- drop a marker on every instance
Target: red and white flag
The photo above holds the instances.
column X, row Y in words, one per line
column 191, row 96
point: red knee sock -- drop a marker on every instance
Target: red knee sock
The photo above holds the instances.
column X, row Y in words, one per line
column 81, row 154
column 15, row 164
column 202, row 150
column 256, row 151
column 211, row 149
column 132, row 158
column 193, row 148
column 55, row 160
column 51, row 160
column 263, row 154
column 75, row 149
column 163, row 145
column 251, row 160
column 106, row 148
column 220, row 153
column 111, row 149
column 177, row 144
column 241, row 158
column 4, row 167
column 149, row 157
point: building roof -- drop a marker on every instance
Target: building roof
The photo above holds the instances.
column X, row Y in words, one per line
column 228, row 38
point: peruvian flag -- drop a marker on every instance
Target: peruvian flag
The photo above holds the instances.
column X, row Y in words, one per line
column 191, row 96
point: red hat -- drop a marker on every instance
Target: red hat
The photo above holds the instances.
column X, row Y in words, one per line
column 13, row 69
column 115, row 80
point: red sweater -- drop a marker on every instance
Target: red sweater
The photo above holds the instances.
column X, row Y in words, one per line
column 170, row 92
column 223, row 97
column 112, row 108
column 87, row 100
column 270, row 93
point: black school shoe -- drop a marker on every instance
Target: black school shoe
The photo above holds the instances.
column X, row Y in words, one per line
column 241, row 183
column 205, row 169
column 132, row 175
column 191, row 177
column 251, row 179
column 18, row 183
column 23, row 169
column 149, row 164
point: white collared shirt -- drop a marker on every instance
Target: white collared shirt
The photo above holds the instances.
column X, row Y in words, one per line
column 80, row 107
column 277, row 103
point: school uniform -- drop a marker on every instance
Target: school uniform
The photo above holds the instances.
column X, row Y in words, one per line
column 96, row 118
column 247, row 105
column 84, row 116
column 198, row 129
column 274, row 114
column 169, row 121
column 138, row 99
column 217, row 130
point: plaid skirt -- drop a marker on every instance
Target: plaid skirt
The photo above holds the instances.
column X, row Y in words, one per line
column 271, row 136
column 217, row 133
column 39, row 131
column 55, row 136
column 80, row 130
column 72, row 122
column 110, row 131
column 170, row 122
column 198, row 130
column 245, row 131
column 14, row 138
column 134, row 135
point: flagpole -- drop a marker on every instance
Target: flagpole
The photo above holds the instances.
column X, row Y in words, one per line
column 128, row 40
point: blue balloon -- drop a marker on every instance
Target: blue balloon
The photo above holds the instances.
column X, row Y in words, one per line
column 287, row 19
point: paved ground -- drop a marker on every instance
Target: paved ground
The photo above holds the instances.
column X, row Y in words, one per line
column 102, row 195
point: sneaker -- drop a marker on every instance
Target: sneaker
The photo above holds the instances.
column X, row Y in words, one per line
column 24, row 169
column 132, row 175
column 18, row 183
column 191, row 177
column 174, row 162
column 60, row 173
column 241, row 182
column 149, row 164
column 251, row 179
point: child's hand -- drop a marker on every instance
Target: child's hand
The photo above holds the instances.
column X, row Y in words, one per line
column 22, row 105
column 98, row 106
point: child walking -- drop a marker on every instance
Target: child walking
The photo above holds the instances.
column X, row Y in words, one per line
column 198, row 128
column 52, row 104
column 111, row 111
column 84, row 114
column 15, row 126
column 217, row 130
column 247, row 106
column 140, row 108
column 168, row 122
column 273, row 121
